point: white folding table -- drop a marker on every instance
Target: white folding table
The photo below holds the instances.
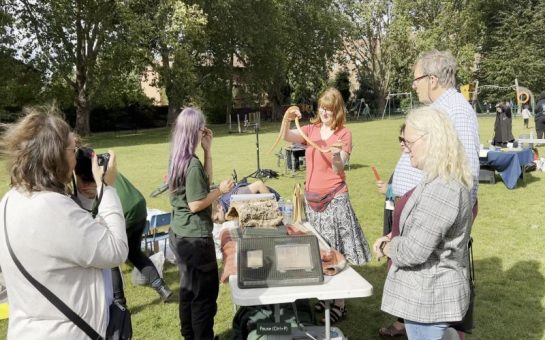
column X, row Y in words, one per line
column 348, row 284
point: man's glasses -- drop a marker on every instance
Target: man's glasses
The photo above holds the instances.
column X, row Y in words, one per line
column 415, row 80
column 408, row 144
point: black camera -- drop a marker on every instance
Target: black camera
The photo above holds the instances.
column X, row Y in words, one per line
column 103, row 159
column 84, row 168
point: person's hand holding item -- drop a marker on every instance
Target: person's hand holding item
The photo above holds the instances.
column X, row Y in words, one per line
column 207, row 136
column 382, row 186
column 379, row 252
column 98, row 171
column 336, row 147
column 292, row 112
column 226, row 186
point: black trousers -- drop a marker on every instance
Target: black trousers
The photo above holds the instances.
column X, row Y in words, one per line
column 199, row 285
column 136, row 257
column 540, row 126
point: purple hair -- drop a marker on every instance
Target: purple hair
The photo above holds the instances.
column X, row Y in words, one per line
column 185, row 136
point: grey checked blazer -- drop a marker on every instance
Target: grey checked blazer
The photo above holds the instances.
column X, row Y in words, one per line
column 428, row 281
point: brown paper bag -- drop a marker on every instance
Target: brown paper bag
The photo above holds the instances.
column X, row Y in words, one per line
column 298, row 204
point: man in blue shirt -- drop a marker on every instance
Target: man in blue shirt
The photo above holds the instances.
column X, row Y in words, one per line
column 434, row 82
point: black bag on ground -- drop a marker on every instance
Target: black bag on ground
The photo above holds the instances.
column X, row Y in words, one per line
column 247, row 317
column 120, row 325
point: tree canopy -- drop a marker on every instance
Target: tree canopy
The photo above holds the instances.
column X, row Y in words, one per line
column 226, row 53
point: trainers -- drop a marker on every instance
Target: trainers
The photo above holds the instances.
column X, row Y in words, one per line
column 164, row 292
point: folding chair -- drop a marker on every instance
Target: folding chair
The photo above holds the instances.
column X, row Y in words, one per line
column 154, row 232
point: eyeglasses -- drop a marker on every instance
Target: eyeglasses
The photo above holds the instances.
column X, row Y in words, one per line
column 75, row 149
column 409, row 144
column 415, row 80
column 324, row 110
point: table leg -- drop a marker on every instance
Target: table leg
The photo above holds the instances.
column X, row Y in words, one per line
column 277, row 313
column 292, row 156
column 327, row 320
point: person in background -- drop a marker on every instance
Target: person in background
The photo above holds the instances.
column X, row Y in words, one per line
column 434, row 82
column 428, row 281
column 385, row 188
column 526, row 116
column 325, row 157
column 135, row 213
column 191, row 239
column 55, row 240
column 503, row 125
column 539, row 117
column 221, row 205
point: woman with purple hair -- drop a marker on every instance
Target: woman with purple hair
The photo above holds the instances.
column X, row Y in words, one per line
column 191, row 228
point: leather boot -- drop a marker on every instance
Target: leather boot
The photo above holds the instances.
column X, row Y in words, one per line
column 162, row 289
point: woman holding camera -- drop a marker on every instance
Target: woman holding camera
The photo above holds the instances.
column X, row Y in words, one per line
column 56, row 241
column 135, row 212
column 428, row 282
column 191, row 228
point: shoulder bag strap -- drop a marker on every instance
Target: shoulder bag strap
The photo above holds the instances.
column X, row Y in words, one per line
column 61, row 306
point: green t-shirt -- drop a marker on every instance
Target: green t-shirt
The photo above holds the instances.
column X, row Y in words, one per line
column 132, row 201
column 196, row 187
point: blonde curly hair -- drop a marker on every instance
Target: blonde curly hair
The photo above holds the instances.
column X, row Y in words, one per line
column 445, row 154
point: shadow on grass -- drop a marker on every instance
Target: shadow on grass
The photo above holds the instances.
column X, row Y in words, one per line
column 358, row 166
column 508, row 303
column 171, row 277
column 529, row 178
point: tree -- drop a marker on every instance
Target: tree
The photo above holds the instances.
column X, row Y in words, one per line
column 342, row 83
column 513, row 45
column 268, row 49
column 445, row 24
column 66, row 38
column 170, row 36
column 388, row 35
column 19, row 83
column 369, row 47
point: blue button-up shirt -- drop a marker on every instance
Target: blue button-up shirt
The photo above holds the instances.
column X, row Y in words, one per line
column 465, row 122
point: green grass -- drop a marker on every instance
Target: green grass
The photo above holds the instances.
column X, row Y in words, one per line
column 509, row 230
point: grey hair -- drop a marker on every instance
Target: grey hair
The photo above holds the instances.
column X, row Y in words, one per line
column 440, row 64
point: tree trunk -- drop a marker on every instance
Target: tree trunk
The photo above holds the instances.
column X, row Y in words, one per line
column 276, row 99
column 83, row 107
column 381, row 103
column 83, row 111
column 276, row 110
column 229, row 107
column 165, row 72
column 173, row 111
column 174, row 104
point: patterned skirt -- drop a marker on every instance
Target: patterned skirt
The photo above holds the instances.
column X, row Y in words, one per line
column 339, row 226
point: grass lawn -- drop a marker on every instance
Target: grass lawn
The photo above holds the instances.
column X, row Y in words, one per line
column 509, row 232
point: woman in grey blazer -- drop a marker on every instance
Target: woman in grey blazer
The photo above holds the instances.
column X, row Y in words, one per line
column 428, row 282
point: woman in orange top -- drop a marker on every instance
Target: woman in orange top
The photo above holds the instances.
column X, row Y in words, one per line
column 327, row 201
